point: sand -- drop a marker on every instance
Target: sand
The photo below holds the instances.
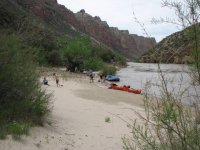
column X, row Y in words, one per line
column 77, row 120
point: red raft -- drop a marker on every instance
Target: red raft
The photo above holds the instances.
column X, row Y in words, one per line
column 125, row 88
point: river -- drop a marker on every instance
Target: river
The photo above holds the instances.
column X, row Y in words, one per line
column 178, row 78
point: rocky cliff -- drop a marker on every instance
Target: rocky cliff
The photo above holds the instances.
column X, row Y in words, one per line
column 120, row 40
column 55, row 15
column 63, row 19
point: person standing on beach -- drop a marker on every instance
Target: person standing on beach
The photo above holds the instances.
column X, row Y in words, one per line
column 101, row 77
column 91, row 76
column 57, row 81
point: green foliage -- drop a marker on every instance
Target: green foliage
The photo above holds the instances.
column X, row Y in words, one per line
column 17, row 129
column 21, row 97
column 107, row 119
column 193, row 33
column 9, row 14
column 76, row 52
column 54, row 58
column 79, row 53
column 108, row 70
column 93, row 64
column 38, row 36
column 45, row 41
column 105, row 54
column 120, row 60
column 109, row 56
column 3, row 132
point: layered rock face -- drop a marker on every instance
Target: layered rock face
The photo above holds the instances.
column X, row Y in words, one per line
column 60, row 17
column 54, row 13
column 131, row 45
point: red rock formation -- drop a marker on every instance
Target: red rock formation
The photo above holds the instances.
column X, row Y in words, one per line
column 48, row 9
column 121, row 41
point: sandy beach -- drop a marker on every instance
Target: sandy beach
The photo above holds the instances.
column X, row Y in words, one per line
column 78, row 118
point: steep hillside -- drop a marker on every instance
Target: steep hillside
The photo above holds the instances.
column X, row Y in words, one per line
column 64, row 20
column 57, row 16
column 175, row 48
column 58, row 19
column 14, row 13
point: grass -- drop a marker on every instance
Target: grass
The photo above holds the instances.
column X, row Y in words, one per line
column 107, row 119
column 16, row 129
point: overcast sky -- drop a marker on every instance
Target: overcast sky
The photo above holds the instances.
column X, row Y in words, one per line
column 119, row 13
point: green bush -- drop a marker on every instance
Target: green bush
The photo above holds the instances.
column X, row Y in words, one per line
column 109, row 70
column 105, row 54
column 17, row 129
column 93, row 64
column 76, row 52
column 168, row 124
column 120, row 60
column 21, row 96
column 3, row 132
column 79, row 53
column 45, row 41
column 54, row 58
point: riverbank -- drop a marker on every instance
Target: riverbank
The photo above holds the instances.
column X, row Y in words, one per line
column 85, row 116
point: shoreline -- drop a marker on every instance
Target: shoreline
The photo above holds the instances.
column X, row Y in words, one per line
column 78, row 118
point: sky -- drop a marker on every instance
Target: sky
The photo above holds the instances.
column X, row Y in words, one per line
column 119, row 13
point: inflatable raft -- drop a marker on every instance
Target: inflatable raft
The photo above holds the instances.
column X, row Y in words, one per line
column 112, row 78
column 125, row 88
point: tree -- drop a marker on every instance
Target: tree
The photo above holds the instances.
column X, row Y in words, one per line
column 75, row 52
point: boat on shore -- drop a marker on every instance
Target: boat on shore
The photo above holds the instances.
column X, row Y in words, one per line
column 112, row 78
column 125, row 88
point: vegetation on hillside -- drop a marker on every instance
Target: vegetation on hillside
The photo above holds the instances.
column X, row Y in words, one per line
column 176, row 48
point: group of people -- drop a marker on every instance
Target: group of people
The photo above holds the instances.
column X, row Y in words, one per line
column 55, row 77
column 91, row 75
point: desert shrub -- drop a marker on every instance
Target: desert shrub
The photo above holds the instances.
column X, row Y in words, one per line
column 105, row 54
column 109, row 56
column 109, row 70
column 45, row 41
column 120, row 60
column 107, row 119
column 21, row 96
column 17, row 129
column 168, row 124
column 54, row 58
